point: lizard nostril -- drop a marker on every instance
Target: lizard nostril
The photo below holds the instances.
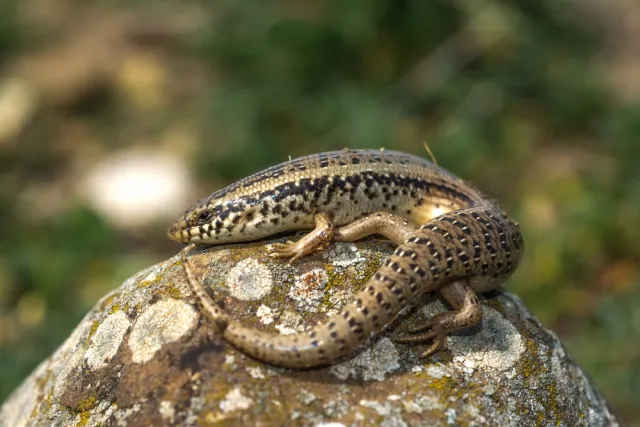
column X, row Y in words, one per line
column 172, row 234
column 175, row 231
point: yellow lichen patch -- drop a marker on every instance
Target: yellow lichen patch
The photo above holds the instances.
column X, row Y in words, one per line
column 415, row 383
column 87, row 404
column 552, row 401
column 42, row 383
column 114, row 308
column 94, row 327
column 49, row 396
column 550, row 404
column 371, row 266
column 213, row 398
column 238, row 254
column 35, row 411
column 333, row 281
column 534, row 367
column 339, row 280
column 531, row 365
column 495, row 303
column 84, row 419
column 44, row 379
column 48, row 399
column 444, row 383
column 147, row 283
column 108, row 300
column 443, row 391
column 170, row 291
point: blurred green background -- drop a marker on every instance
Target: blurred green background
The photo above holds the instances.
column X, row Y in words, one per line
column 115, row 116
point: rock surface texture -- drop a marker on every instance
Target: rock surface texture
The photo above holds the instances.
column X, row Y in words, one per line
column 146, row 356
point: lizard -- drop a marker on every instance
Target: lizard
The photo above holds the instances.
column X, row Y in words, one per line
column 449, row 239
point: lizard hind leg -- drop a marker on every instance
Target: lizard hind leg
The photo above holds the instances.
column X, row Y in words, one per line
column 466, row 313
column 393, row 227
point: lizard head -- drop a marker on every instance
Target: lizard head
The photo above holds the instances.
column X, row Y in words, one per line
column 217, row 220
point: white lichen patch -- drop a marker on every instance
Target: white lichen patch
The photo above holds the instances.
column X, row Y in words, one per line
column 437, row 371
column 343, row 254
column 234, row 400
column 307, row 292
column 161, row 323
column 381, row 409
column 451, row 416
column 256, row 372
column 422, row 403
column 489, row 389
column 496, row 344
column 305, row 397
column 265, row 314
column 372, row 364
column 291, row 323
column 106, row 340
column 167, row 410
column 249, row 280
column 467, row 365
column 336, row 408
column 121, row 415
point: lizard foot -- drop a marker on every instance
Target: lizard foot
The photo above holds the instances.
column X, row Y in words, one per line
column 467, row 312
column 317, row 240
column 293, row 250
column 435, row 332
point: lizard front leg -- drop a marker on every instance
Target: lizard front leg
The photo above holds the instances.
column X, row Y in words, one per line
column 317, row 240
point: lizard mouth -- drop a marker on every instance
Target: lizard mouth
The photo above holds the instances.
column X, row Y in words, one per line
column 181, row 232
column 178, row 232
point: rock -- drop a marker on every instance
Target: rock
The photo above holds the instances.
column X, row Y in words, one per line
column 145, row 356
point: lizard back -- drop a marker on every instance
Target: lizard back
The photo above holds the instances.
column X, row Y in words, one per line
column 348, row 184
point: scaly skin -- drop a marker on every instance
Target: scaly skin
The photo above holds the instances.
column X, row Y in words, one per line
column 465, row 244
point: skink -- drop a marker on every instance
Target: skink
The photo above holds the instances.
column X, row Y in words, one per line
column 450, row 239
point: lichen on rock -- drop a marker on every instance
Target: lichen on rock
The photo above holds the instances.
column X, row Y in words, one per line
column 144, row 355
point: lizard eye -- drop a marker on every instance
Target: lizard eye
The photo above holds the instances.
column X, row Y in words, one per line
column 205, row 216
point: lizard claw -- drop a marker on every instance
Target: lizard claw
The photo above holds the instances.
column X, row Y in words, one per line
column 438, row 345
column 317, row 240
column 292, row 250
column 434, row 331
